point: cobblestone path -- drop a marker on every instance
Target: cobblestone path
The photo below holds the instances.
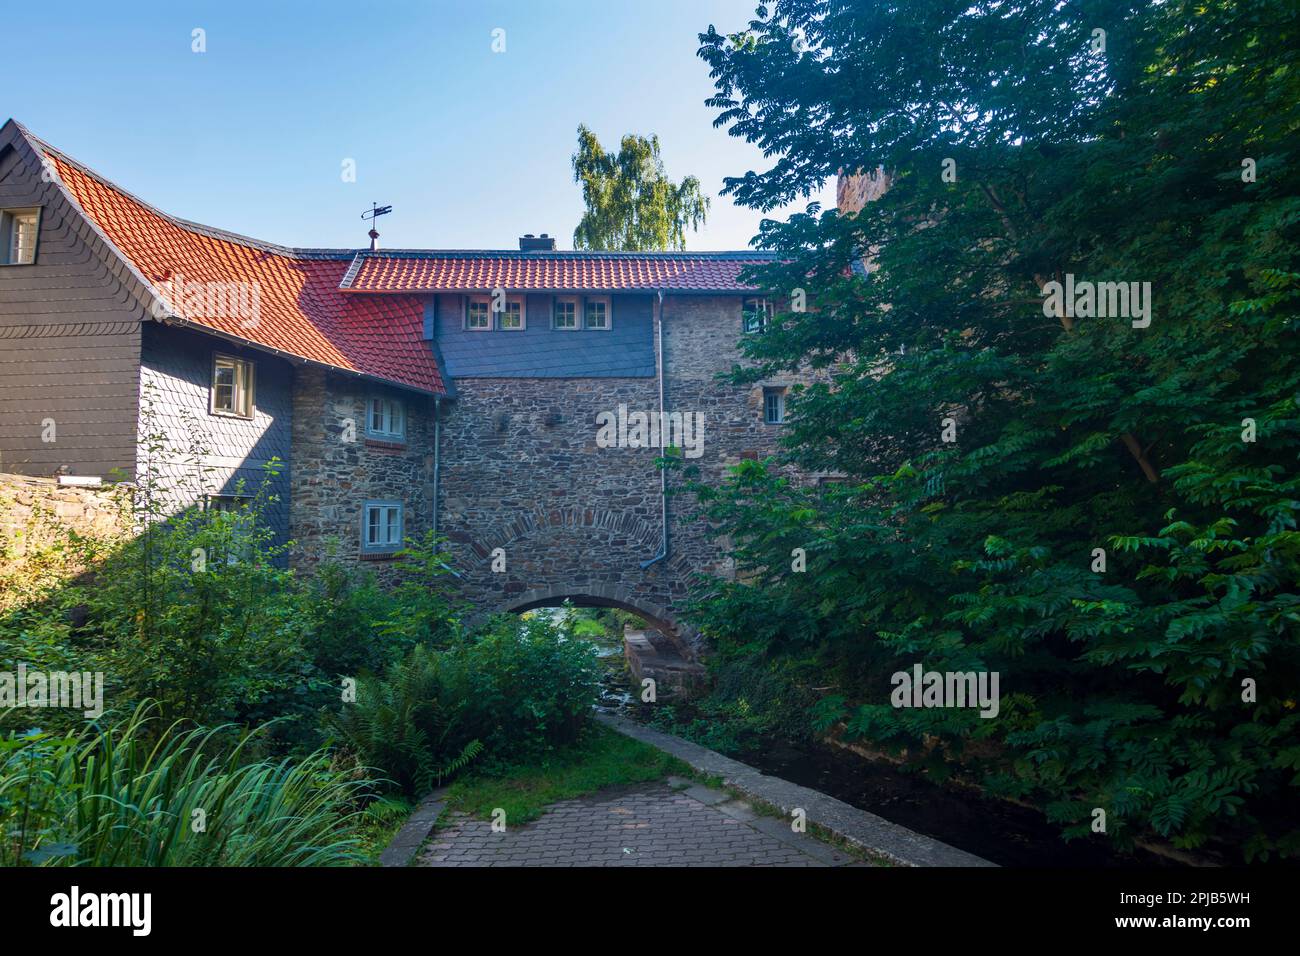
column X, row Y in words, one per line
column 674, row 823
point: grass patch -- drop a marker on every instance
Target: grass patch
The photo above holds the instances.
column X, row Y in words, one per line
column 380, row 822
column 602, row 758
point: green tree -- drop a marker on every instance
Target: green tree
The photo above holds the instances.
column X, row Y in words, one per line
column 631, row 204
column 1113, row 529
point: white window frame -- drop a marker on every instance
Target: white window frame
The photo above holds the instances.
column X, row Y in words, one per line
column 609, row 313
column 578, row 313
column 486, row 302
column 9, row 219
column 764, row 314
column 778, row 392
column 523, row 314
column 243, row 393
column 385, row 543
column 392, row 413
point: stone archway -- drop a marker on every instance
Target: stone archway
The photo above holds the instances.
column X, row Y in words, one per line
column 600, row 596
column 593, row 557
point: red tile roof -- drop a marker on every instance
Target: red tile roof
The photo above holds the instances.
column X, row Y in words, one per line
column 311, row 302
column 300, row 310
column 435, row 271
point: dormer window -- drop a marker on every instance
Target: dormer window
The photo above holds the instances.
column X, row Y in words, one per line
column 478, row 314
column 512, row 315
column 566, row 314
column 18, row 229
column 598, row 312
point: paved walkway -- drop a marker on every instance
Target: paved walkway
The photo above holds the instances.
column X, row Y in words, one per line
column 674, row 823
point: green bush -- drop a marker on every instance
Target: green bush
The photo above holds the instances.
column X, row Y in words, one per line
column 135, row 795
column 199, row 614
column 528, row 685
column 342, row 610
column 406, row 725
column 517, row 689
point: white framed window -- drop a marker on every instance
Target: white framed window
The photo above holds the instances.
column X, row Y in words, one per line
column 513, row 315
column 478, row 314
column 18, row 231
column 773, row 406
column 386, row 418
column 754, row 315
column 597, row 313
column 566, row 314
column 381, row 526
column 232, row 386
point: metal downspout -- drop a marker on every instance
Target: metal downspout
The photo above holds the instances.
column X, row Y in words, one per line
column 437, row 457
column 663, row 474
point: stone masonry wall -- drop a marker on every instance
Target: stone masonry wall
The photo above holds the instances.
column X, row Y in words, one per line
column 36, row 512
column 522, row 471
column 332, row 477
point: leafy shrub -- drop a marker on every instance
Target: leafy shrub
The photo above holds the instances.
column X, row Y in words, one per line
column 342, row 608
column 406, row 725
column 528, row 685
column 517, row 689
column 122, row 796
column 198, row 613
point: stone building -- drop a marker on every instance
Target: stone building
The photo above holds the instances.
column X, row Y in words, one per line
column 510, row 400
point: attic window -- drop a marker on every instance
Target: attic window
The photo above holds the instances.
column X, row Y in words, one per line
column 478, row 317
column 597, row 313
column 566, row 313
column 512, row 315
column 18, row 229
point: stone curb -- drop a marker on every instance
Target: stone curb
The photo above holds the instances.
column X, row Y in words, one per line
column 866, row 831
column 414, row 831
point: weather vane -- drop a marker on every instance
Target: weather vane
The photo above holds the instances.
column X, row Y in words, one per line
column 375, row 212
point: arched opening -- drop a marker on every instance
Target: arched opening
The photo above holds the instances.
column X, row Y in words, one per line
column 635, row 643
column 653, row 619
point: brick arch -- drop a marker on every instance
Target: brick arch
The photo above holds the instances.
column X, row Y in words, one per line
column 504, row 533
column 617, row 597
column 590, row 556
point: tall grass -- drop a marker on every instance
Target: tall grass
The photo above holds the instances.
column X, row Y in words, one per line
column 127, row 795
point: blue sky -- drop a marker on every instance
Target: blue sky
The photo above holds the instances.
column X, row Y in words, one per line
column 471, row 147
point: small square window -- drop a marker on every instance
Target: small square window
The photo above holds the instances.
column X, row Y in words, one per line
column 232, row 386
column 565, row 316
column 478, row 315
column 598, row 313
column 18, row 230
column 773, row 406
column 754, row 315
column 512, row 315
column 381, row 528
column 386, row 418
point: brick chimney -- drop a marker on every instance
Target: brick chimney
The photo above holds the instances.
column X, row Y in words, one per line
column 530, row 243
